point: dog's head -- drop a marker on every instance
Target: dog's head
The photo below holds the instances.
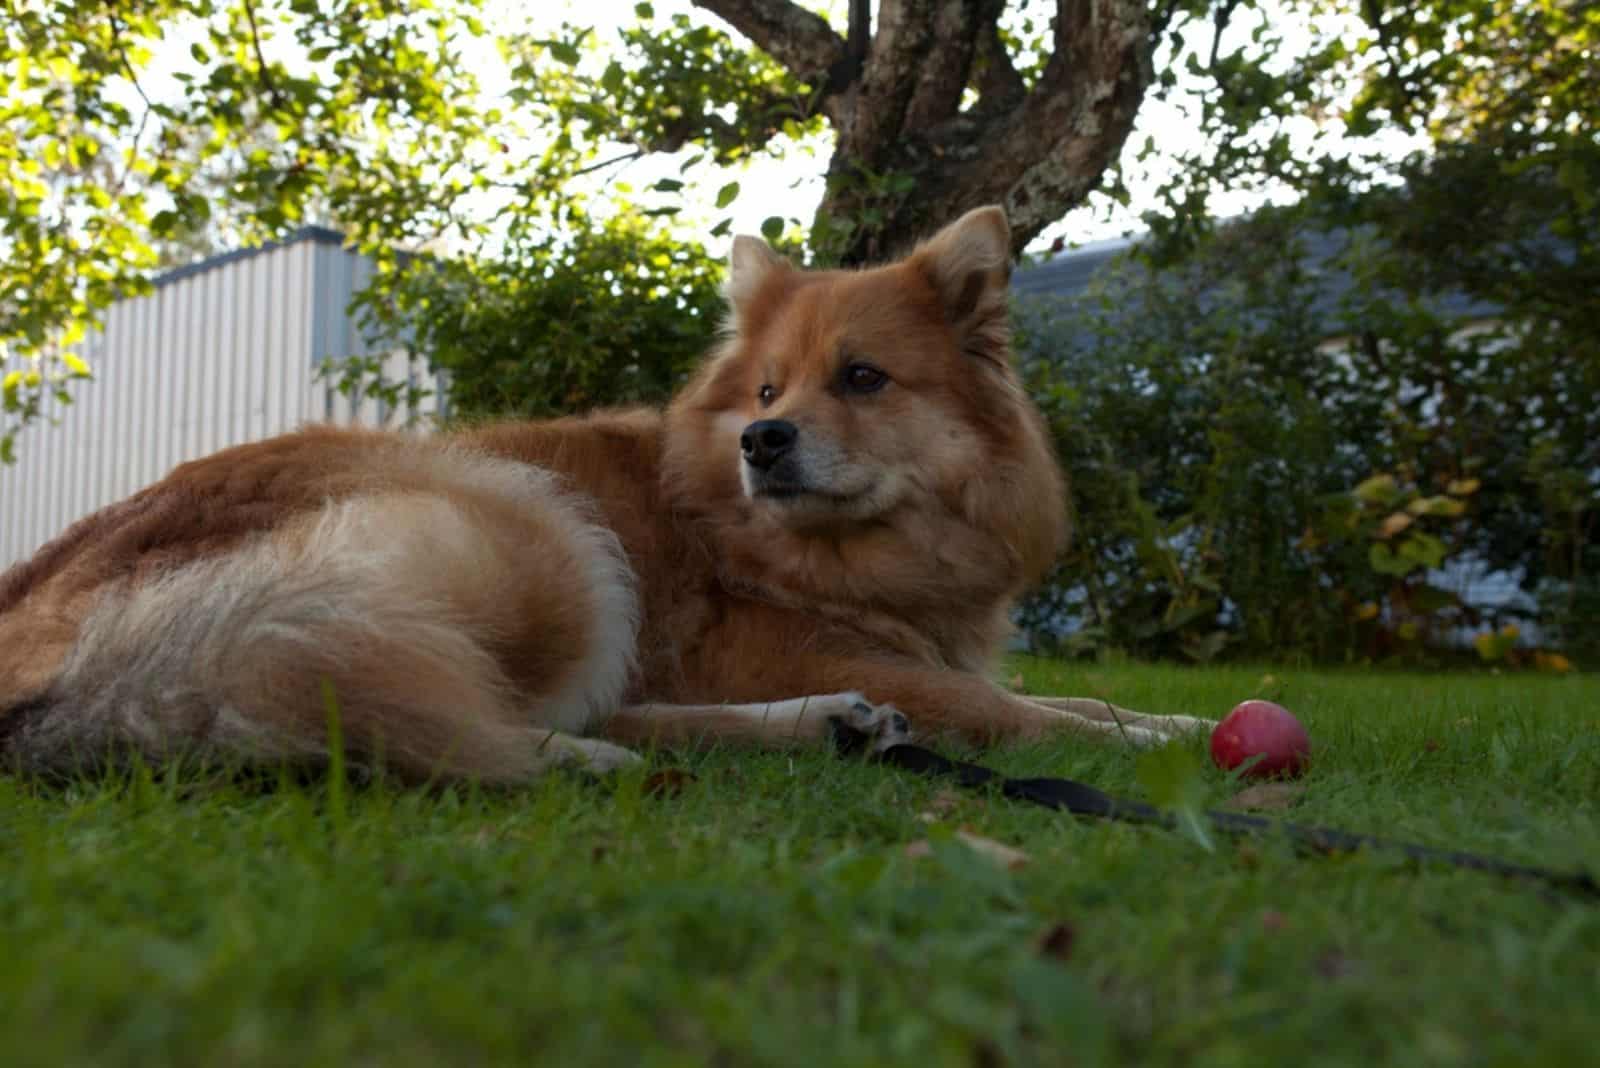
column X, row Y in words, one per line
column 841, row 399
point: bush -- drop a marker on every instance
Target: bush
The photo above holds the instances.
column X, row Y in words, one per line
column 584, row 313
column 1279, row 446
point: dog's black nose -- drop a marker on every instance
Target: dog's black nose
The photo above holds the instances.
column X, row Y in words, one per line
column 766, row 440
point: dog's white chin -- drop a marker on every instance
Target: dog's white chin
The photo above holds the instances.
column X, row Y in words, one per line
column 822, row 507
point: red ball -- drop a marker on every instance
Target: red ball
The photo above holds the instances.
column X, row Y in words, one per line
column 1265, row 728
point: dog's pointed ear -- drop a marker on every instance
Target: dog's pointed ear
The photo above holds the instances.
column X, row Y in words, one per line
column 751, row 263
column 969, row 263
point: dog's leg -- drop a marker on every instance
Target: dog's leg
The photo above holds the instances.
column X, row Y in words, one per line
column 795, row 722
column 1092, row 708
column 936, row 702
column 557, row 749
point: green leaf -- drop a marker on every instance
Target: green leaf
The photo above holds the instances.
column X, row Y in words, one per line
column 1379, row 489
column 727, row 194
column 772, row 227
column 1173, row 779
column 1385, row 561
column 1447, row 507
column 1424, row 549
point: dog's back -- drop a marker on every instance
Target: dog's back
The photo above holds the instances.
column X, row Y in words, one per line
column 447, row 601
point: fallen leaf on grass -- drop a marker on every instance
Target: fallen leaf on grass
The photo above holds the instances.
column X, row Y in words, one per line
column 1056, row 942
column 1333, row 965
column 1269, row 795
column 940, row 805
column 1002, row 854
column 1273, row 920
column 668, row 782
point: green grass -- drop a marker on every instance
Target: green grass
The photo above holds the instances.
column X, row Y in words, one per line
column 767, row 914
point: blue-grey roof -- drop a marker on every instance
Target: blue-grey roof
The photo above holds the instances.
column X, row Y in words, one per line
column 320, row 234
column 1068, row 272
column 1073, row 273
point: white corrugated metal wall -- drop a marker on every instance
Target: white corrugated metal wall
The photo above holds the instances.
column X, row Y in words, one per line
column 221, row 353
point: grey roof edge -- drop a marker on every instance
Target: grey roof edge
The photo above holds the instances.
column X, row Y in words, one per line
column 321, row 235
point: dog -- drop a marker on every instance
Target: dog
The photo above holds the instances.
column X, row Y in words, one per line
column 828, row 524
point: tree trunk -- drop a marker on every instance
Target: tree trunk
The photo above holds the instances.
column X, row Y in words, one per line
column 932, row 117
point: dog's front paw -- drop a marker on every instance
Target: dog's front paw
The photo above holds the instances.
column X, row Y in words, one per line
column 587, row 754
column 883, row 725
column 1181, row 726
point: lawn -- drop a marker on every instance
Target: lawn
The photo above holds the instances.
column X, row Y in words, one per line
column 767, row 912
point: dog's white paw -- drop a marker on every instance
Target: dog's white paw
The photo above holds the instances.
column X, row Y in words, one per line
column 1181, row 726
column 589, row 754
column 1138, row 737
column 884, row 725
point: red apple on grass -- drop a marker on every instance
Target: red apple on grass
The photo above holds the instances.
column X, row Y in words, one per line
column 1261, row 727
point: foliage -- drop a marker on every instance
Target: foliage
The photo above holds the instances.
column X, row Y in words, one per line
column 134, row 133
column 1220, row 443
column 1277, row 443
column 364, row 107
column 581, row 313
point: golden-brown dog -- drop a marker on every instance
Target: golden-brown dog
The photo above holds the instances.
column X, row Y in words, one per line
column 830, row 522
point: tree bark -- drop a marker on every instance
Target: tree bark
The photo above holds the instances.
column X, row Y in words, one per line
column 932, row 117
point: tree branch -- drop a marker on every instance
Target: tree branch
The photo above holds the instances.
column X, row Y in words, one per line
column 117, row 31
column 263, row 72
column 894, row 65
column 800, row 40
column 998, row 83
column 860, row 30
column 1083, row 106
column 856, row 46
column 1219, row 25
column 959, row 29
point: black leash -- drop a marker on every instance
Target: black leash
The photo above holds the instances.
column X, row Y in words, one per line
column 1080, row 799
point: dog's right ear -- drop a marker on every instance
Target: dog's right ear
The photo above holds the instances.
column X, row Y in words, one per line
column 750, row 265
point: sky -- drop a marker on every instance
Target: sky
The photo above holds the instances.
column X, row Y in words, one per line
column 791, row 186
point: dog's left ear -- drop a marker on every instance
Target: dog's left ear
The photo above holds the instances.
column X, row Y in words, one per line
column 969, row 263
column 751, row 264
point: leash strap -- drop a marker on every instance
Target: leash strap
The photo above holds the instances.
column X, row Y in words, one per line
column 1080, row 799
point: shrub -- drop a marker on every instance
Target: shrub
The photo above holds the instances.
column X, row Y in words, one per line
column 1278, row 446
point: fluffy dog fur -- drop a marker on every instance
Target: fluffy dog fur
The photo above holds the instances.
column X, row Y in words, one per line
column 830, row 522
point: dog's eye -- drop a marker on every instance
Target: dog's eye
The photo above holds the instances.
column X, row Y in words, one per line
column 863, row 378
column 766, row 395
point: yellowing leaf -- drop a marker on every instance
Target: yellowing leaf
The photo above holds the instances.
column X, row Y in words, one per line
column 1269, row 795
column 1444, row 506
column 1394, row 524
column 999, row 853
column 1379, row 489
column 1552, row 662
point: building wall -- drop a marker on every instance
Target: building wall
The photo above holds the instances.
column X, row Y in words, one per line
column 221, row 353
